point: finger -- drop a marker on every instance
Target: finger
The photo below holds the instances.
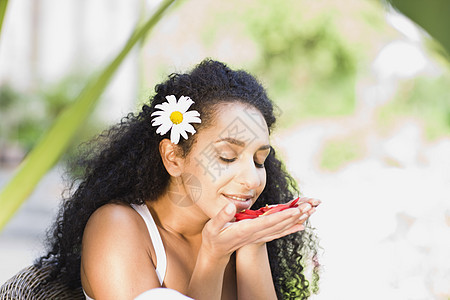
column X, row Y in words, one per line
column 225, row 215
column 228, row 224
column 311, row 211
column 287, row 229
column 269, row 225
column 284, row 226
column 290, row 230
column 304, row 207
column 273, row 224
column 305, row 215
column 253, row 228
column 303, row 218
column 295, row 228
column 313, row 201
column 270, row 220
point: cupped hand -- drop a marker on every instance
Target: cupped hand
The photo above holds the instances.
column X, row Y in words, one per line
column 219, row 240
column 307, row 206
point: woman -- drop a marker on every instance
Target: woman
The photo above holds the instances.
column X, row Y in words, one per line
column 155, row 205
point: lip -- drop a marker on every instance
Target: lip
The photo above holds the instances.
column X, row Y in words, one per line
column 240, row 205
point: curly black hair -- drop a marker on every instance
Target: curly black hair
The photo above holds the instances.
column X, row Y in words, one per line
column 123, row 165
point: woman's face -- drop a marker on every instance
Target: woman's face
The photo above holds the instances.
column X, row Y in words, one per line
column 227, row 161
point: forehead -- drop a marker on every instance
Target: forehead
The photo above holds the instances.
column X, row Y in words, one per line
column 238, row 121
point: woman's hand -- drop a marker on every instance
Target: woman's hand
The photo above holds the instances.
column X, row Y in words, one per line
column 306, row 206
column 252, row 262
column 220, row 241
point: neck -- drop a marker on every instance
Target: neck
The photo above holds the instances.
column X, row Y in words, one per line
column 181, row 219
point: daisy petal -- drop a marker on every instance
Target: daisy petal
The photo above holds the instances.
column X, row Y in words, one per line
column 158, row 121
column 192, row 113
column 184, row 103
column 162, row 106
column 189, row 128
column 172, row 100
column 183, row 131
column 163, row 121
column 192, row 117
column 162, row 130
column 193, row 120
column 175, row 134
column 158, row 113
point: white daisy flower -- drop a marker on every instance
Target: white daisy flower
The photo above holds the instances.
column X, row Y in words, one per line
column 174, row 115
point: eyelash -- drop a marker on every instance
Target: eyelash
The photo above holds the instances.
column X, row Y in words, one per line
column 259, row 165
column 230, row 160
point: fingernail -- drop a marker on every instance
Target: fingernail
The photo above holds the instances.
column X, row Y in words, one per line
column 303, row 217
column 229, row 209
column 306, row 207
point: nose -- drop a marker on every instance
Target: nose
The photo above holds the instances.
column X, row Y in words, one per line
column 249, row 176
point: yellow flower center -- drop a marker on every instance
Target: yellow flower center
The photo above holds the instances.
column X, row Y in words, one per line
column 176, row 117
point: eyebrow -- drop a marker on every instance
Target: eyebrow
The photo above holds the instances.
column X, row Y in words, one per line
column 239, row 143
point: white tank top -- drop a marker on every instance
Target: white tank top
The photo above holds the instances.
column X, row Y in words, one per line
column 161, row 259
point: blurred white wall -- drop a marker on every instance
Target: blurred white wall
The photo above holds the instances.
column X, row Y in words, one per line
column 43, row 41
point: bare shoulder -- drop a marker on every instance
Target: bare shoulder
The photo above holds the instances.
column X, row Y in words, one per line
column 116, row 226
column 115, row 253
column 113, row 214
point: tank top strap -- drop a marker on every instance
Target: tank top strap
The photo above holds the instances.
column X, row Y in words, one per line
column 161, row 259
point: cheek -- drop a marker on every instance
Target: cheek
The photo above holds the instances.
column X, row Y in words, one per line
column 218, row 175
column 263, row 178
column 211, row 186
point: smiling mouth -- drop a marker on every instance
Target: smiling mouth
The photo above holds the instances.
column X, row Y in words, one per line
column 242, row 202
column 239, row 198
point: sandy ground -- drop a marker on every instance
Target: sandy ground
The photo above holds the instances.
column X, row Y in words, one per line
column 384, row 223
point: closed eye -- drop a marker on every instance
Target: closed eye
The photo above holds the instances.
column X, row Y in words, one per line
column 259, row 165
column 228, row 160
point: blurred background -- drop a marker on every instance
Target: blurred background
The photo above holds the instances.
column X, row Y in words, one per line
column 364, row 118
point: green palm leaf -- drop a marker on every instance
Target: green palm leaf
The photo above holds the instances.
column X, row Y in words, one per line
column 3, row 4
column 430, row 15
column 48, row 151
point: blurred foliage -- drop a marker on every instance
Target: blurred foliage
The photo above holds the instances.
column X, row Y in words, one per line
column 21, row 117
column 338, row 152
column 308, row 53
column 424, row 98
column 24, row 117
column 298, row 59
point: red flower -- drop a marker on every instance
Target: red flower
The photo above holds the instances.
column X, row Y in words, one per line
column 266, row 210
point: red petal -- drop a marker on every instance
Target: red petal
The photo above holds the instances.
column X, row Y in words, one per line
column 277, row 208
column 265, row 210
column 294, row 203
column 243, row 216
column 251, row 212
